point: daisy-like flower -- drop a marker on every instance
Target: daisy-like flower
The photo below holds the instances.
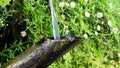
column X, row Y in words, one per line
column 86, row 1
column 87, row 14
column 23, row 33
column 115, row 30
column 102, row 22
column 98, row 27
column 72, row 4
column 65, row 27
column 66, row 32
column 99, row 14
column 109, row 23
column 96, row 33
column 118, row 54
column 93, row 7
column 85, row 36
column 67, row 4
column 118, row 13
column 61, row 4
column 63, row 17
column 111, row 5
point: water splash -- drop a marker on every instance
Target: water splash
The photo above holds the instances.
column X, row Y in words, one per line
column 54, row 22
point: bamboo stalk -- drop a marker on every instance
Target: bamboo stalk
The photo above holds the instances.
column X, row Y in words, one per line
column 42, row 54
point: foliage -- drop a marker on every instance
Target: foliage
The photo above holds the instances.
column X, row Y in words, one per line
column 25, row 22
column 3, row 3
column 99, row 50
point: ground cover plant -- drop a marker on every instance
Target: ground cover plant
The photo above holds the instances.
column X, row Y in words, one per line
column 25, row 22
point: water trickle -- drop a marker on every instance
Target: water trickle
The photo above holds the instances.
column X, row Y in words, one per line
column 54, row 22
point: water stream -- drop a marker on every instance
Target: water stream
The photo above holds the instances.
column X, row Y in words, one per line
column 54, row 22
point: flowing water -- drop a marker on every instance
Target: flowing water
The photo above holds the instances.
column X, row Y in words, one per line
column 54, row 22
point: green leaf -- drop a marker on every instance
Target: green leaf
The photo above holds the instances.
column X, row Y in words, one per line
column 3, row 3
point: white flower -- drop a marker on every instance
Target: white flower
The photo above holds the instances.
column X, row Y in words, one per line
column 65, row 27
column 61, row 4
column 98, row 27
column 66, row 32
column 102, row 22
column 86, row 1
column 99, row 14
column 67, row 4
column 118, row 13
column 85, row 36
column 115, row 30
column 87, row 14
column 63, row 17
column 111, row 5
column 96, row 33
column 118, row 54
column 72, row 4
column 109, row 23
column 23, row 33
column 93, row 7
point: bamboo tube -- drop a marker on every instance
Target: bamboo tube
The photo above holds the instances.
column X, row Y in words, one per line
column 42, row 54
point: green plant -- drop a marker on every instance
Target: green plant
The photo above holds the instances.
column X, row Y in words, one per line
column 3, row 3
column 25, row 22
column 98, row 23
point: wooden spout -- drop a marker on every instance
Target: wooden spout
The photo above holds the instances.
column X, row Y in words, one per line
column 42, row 54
